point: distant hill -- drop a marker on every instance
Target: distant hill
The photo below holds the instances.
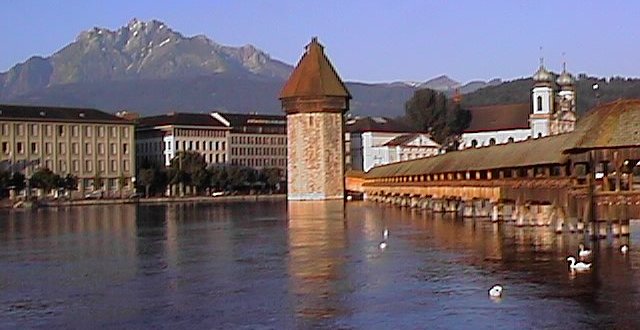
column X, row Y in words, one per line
column 519, row 91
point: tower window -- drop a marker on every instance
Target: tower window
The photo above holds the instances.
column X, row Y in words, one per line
column 539, row 99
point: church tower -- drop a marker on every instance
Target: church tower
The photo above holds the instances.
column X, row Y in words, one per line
column 315, row 100
column 543, row 101
column 566, row 112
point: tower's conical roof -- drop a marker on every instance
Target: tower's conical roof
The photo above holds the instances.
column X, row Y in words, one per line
column 314, row 76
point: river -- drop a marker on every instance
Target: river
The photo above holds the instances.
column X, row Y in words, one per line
column 274, row 265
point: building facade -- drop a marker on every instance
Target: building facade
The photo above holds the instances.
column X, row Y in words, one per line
column 160, row 138
column 552, row 111
column 87, row 143
column 256, row 140
column 375, row 141
column 315, row 100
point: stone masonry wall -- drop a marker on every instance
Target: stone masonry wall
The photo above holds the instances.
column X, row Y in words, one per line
column 315, row 156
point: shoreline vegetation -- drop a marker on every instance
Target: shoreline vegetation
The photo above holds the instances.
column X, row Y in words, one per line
column 150, row 200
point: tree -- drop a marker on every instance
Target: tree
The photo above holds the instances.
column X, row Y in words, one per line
column 17, row 182
column 185, row 165
column 201, row 180
column 71, row 182
column 430, row 111
column 122, row 182
column 146, row 178
column 270, row 176
column 44, row 179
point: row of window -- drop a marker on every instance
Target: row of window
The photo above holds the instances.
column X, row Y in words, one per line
column 195, row 145
column 199, row 132
column 62, row 148
column 253, row 162
column 259, row 151
column 258, row 140
column 87, row 131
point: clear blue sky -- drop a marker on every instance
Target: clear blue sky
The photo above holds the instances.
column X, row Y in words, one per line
column 367, row 40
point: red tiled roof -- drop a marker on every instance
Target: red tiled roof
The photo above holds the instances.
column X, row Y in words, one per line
column 314, row 76
column 377, row 124
column 499, row 117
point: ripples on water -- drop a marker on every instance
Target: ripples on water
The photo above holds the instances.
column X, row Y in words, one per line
column 300, row 265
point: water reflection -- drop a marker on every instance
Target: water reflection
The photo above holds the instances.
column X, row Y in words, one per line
column 317, row 240
column 301, row 265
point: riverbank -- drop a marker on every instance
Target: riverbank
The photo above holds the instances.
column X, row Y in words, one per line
column 163, row 200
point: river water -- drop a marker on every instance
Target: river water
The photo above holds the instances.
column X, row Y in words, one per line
column 274, row 265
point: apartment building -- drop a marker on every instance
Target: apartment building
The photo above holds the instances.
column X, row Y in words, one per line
column 256, row 140
column 160, row 138
column 87, row 143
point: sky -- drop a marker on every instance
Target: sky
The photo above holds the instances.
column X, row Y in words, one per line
column 367, row 41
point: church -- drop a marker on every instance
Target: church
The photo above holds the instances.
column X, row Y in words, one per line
column 552, row 111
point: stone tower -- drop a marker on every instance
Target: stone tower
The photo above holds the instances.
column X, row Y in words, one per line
column 315, row 100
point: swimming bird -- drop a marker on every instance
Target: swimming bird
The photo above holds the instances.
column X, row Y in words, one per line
column 584, row 253
column 578, row 265
column 624, row 248
column 495, row 291
column 383, row 245
column 385, row 233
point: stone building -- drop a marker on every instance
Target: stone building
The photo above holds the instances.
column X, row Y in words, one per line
column 160, row 138
column 552, row 111
column 256, row 140
column 87, row 143
column 315, row 100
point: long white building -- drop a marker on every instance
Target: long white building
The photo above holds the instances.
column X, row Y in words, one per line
column 552, row 111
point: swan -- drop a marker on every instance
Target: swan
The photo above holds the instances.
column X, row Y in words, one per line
column 383, row 245
column 624, row 248
column 385, row 233
column 495, row 291
column 584, row 253
column 579, row 265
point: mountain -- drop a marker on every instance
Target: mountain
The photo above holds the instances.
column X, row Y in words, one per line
column 140, row 50
column 149, row 68
column 441, row 83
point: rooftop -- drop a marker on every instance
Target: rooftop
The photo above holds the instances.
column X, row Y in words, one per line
column 314, row 76
column 61, row 114
column 499, row 117
column 377, row 124
column 181, row 119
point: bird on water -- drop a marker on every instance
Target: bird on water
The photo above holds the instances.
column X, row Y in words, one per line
column 495, row 291
column 578, row 265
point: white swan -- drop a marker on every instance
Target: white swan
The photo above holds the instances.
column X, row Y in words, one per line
column 385, row 233
column 495, row 291
column 383, row 245
column 624, row 248
column 578, row 265
column 584, row 253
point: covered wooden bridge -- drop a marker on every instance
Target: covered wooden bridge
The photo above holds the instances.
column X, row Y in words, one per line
column 590, row 175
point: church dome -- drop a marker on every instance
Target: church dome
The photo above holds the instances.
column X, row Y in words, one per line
column 565, row 78
column 542, row 75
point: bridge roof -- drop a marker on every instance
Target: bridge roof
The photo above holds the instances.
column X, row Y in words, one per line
column 611, row 125
column 548, row 150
